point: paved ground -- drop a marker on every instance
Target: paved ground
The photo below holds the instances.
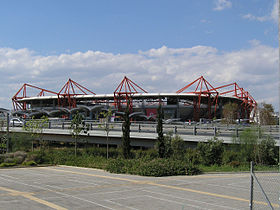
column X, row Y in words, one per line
column 64, row 187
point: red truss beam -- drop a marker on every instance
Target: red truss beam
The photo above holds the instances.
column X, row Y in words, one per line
column 70, row 89
column 124, row 91
column 202, row 88
column 248, row 102
column 22, row 93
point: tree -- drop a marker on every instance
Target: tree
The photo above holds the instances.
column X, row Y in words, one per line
column 107, row 116
column 247, row 144
column 77, row 126
column 126, row 134
column 267, row 151
column 211, row 151
column 178, row 147
column 35, row 128
column 266, row 112
column 230, row 112
column 160, row 139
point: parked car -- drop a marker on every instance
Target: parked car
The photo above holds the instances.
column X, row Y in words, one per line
column 16, row 122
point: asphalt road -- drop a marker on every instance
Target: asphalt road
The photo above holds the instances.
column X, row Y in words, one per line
column 63, row 187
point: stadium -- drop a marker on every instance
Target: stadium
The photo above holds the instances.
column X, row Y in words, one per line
column 196, row 101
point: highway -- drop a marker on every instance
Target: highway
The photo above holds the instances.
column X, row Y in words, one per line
column 144, row 134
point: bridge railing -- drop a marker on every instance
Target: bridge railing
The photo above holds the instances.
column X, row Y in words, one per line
column 180, row 129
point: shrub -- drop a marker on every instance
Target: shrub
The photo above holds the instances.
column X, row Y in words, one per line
column 7, row 164
column 192, row 169
column 247, row 144
column 9, row 155
column 178, row 147
column 267, row 151
column 193, row 156
column 235, row 164
column 20, row 153
column 1, row 159
column 21, row 141
column 116, row 166
column 19, row 159
column 156, row 167
column 29, row 163
column 211, row 152
column 230, row 156
column 145, row 154
column 38, row 157
column 9, row 160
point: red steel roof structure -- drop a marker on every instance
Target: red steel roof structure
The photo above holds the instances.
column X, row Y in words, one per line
column 198, row 92
column 124, row 91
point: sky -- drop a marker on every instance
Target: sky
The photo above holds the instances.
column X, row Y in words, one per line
column 162, row 45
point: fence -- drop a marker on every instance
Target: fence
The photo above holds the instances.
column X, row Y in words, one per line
column 265, row 188
column 210, row 130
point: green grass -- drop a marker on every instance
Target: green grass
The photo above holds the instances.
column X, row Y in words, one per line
column 241, row 168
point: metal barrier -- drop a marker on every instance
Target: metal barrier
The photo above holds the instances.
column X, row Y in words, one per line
column 264, row 189
column 180, row 129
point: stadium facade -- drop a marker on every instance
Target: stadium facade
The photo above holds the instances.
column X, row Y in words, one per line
column 197, row 100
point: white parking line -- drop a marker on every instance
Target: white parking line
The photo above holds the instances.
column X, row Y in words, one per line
column 118, row 204
column 47, row 189
column 192, row 200
column 180, row 203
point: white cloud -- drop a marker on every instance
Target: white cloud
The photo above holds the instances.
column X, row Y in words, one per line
column 272, row 16
column 222, row 4
column 156, row 70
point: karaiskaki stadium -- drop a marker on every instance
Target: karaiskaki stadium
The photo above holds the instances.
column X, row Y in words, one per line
column 197, row 100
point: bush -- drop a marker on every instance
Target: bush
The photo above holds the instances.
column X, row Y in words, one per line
column 19, row 159
column 193, row 156
column 211, row 152
column 7, row 164
column 157, row 167
column 230, row 156
column 38, row 157
column 9, row 160
column 247, row 144
column 235, row 164
column 192, row 169
column 145, row 154
column 267, row 152
column 21, row 141
column 29, row 163
column 178, row 147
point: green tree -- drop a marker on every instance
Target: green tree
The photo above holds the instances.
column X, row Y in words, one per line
column 211, row 152
column 126, row 134
column 267, row 151
column 35, row 128
column 247, row 144
column 266, row 112
column 107, row 116
column 230, row 112
column 160, row 139
column 77, row 127
column 178, row 147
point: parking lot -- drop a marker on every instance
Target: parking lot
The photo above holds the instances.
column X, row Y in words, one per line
column 63, row 187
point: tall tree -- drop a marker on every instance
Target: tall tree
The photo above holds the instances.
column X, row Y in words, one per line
column 266, row 112
column 230, row 112
column 107, row 117
column 77, row 126
column 126, row 134
column 35, row 128
column 160, row 139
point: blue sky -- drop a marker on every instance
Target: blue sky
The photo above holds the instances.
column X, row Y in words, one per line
column 93, row 42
